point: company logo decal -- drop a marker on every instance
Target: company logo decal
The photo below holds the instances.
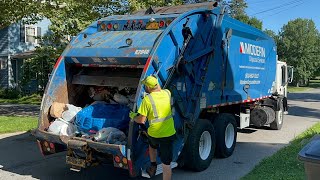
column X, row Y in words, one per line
column 250, row 49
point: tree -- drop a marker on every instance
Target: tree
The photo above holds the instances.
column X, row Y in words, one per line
column 142, row 4
column 271, row 33
column 237, row 11
column 68, row 18
column 15, row 10
column 298, row 45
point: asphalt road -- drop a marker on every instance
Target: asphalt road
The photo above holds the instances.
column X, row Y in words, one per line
column 19, row 110
column 21, row 159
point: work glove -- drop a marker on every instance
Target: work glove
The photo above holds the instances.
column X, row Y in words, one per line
column 132, row 114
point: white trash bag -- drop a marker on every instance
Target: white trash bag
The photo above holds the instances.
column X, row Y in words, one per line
column 56, row 126
column 72, row 111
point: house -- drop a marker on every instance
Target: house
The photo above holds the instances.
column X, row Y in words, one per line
column 17, row 42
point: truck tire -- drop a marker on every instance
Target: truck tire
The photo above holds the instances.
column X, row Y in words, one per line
column 278, row 122
column 200, row 146
column 226, row 134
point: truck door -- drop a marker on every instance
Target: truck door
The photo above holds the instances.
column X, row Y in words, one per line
column 282, row 78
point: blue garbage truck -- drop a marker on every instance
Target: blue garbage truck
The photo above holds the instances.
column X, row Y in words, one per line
column 223, row 75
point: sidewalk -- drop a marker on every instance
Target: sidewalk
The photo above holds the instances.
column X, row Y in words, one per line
column 19, row 110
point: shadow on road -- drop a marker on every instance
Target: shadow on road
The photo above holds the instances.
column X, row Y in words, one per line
column 303, row 111
column 306, row 97
column 20, row 155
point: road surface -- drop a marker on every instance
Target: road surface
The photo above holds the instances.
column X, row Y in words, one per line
column 21, row 159
column 19, row 110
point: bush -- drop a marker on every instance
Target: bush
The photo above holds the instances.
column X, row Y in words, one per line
column 9, row 94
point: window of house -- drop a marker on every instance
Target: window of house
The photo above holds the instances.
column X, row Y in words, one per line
column 3, row 64
column 29, row 34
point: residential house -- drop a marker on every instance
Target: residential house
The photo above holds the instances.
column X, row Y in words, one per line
column 17, row 42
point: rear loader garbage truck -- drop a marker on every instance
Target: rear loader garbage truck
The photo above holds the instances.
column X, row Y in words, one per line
column 223, row 75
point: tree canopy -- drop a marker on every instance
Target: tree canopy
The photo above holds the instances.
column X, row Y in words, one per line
column 237, row 11
column 298, row 45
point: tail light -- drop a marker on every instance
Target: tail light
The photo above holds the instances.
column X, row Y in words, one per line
column 125, row 161
column 162, row 24
column 109, row 27
column 117, row 159
column 103, row 26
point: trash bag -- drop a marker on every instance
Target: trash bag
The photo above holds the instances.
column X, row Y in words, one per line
column 98, row 116
column 116, row 136
column 56, row 126
column 110, row 135
column 70, row 114
column 121, row 99
column 62, row 127
column 103, row 133
column 68, row 130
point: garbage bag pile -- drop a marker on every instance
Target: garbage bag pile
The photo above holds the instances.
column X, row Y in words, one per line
column 101, row 121
column 113, row 95
column 64, row 114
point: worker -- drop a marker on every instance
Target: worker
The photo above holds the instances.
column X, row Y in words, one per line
column 156, row 107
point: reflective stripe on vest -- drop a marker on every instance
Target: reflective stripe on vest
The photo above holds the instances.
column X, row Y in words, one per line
column 156, row 116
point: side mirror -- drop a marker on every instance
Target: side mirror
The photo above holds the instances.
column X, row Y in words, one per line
column 290, row 74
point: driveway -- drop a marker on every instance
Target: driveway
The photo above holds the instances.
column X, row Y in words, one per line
column 21, row 159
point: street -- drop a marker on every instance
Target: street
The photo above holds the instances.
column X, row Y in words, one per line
column 20, row 157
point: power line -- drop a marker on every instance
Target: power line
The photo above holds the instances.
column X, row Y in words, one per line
column 280, row 6
column 283, row 10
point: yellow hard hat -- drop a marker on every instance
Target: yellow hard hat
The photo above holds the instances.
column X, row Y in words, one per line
column 150, row 81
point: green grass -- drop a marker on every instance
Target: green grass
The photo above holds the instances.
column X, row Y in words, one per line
column 313, row 84
column 10, row 124
column 32, row 99
column 284, row 164
column 292, row 89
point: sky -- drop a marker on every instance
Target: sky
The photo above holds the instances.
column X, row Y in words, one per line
column 276, row 13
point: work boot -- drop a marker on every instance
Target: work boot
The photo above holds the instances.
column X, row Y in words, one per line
column 151, row 170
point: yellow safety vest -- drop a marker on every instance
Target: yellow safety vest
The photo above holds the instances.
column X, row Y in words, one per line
column 157, row 108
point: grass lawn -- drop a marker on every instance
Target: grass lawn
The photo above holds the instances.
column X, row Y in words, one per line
column 32, row 99
column 9, row 124
column 284, row 164
column 313, row 84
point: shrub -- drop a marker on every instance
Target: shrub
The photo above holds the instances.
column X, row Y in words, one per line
column 9, row 94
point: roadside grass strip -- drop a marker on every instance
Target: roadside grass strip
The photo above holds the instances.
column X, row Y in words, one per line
column 34, row 99
column 10, row 124
column 284, row 164
column 313, row 84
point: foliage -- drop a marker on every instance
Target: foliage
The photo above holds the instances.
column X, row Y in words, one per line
column 67, row 19
column 284, row 164
column 142, row 4
column 237, row 11
column 15, row 10
column 271, row 33
column 10, row 124
column 9, row 94
column 298, row 45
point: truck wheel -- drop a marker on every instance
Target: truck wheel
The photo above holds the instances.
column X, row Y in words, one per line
column 278, row 122
column 226, row 133
column 200, row 146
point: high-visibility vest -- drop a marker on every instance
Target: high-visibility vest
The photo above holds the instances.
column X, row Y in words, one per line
column 161, row 126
